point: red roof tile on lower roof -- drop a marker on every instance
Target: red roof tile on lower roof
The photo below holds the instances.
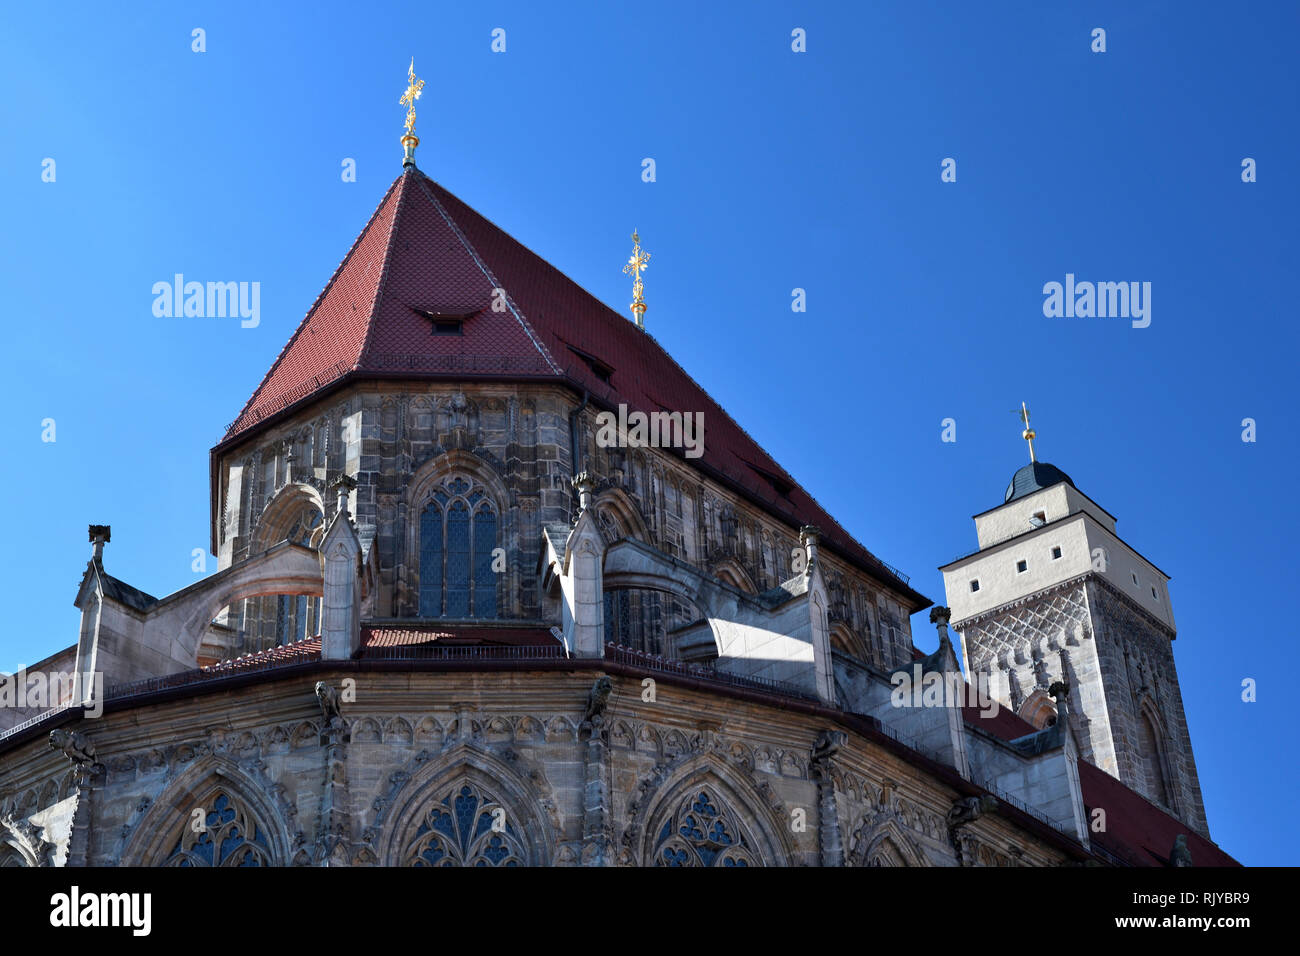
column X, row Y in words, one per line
column 1137, row 830
column 306, row 649
column 425, row 252
column 415, row 636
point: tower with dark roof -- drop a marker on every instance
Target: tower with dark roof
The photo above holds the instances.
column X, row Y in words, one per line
column 1055, row 594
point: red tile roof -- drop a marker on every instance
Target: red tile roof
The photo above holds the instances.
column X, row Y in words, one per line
column 425, row 252
column 1137, row 830
column 445, row 636
column 304, row 650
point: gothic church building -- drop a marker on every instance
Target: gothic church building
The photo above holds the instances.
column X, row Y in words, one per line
column 452, row 628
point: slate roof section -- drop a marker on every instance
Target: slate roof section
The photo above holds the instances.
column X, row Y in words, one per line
column 123, row 593
column 1034, row 477
column 425, row 251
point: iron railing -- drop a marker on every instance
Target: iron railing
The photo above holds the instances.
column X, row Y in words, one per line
column 33, row 721
column 224, row 670
column 705, row 672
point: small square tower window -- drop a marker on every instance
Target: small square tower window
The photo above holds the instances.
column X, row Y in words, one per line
column 1038, row 520
column 1022, row 567
column 974, row 586
column 1056, row 553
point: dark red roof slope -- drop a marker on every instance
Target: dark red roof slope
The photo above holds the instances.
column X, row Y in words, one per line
column 306, row 649
column 1137, row 830
column 425, row 254
column 442, row 636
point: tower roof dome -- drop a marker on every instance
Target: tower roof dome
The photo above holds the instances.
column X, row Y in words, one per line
column 1034, row 477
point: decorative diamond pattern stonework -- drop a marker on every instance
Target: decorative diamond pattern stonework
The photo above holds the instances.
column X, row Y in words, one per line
column 1052, row 616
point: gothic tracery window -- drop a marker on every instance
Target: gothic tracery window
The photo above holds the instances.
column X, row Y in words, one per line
column 307, row 527
column 703, row 832
column 885, row 853
column 466, row 828
column 229, row 836
column 458, row 533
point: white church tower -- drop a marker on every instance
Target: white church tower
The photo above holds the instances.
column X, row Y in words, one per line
column 1054, row 593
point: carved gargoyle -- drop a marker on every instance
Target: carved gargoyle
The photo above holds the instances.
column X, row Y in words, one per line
column 969, row 809
column 75, row 746
column 332, row 723
column 328, row 699
column 597, row 698
column 1180, row 855
column 828, row 744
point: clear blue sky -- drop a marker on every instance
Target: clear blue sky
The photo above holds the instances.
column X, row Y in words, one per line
column 775, row 170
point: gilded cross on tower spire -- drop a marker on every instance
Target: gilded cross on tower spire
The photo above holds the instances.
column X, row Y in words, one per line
column 1028, row 434
column 636, row 264
column 413, row 88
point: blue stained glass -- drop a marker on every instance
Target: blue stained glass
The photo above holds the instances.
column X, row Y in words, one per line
column 496, row 849
column 466, row 804
column 674, row 857
column 442, row 822
column 704, row 828
column 432, row 854
column 458, row 570
column 484, row 824
column 431, row 561
column 223, row 841
column 458, row 486
column 485, row 579
column 203, row 849
column 703, row 806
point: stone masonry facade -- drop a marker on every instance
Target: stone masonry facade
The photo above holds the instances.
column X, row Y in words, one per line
column 566, row 783
column 518, row 441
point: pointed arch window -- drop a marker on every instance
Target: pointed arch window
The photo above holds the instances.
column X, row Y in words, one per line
column 468, row 827
column 458, row 534
column 229, row 836
column 702, row 832
column 1149, row 744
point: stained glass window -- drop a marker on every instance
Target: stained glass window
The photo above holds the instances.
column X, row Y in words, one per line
column 458, row 534
column 467, row 828
column 228, row 836
column 702, row 833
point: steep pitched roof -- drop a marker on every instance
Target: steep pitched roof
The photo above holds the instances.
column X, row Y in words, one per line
column 423, row 255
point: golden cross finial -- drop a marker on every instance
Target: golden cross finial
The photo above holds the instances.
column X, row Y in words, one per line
column 1028, row 434
column 413, row 88
column 636, row 264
